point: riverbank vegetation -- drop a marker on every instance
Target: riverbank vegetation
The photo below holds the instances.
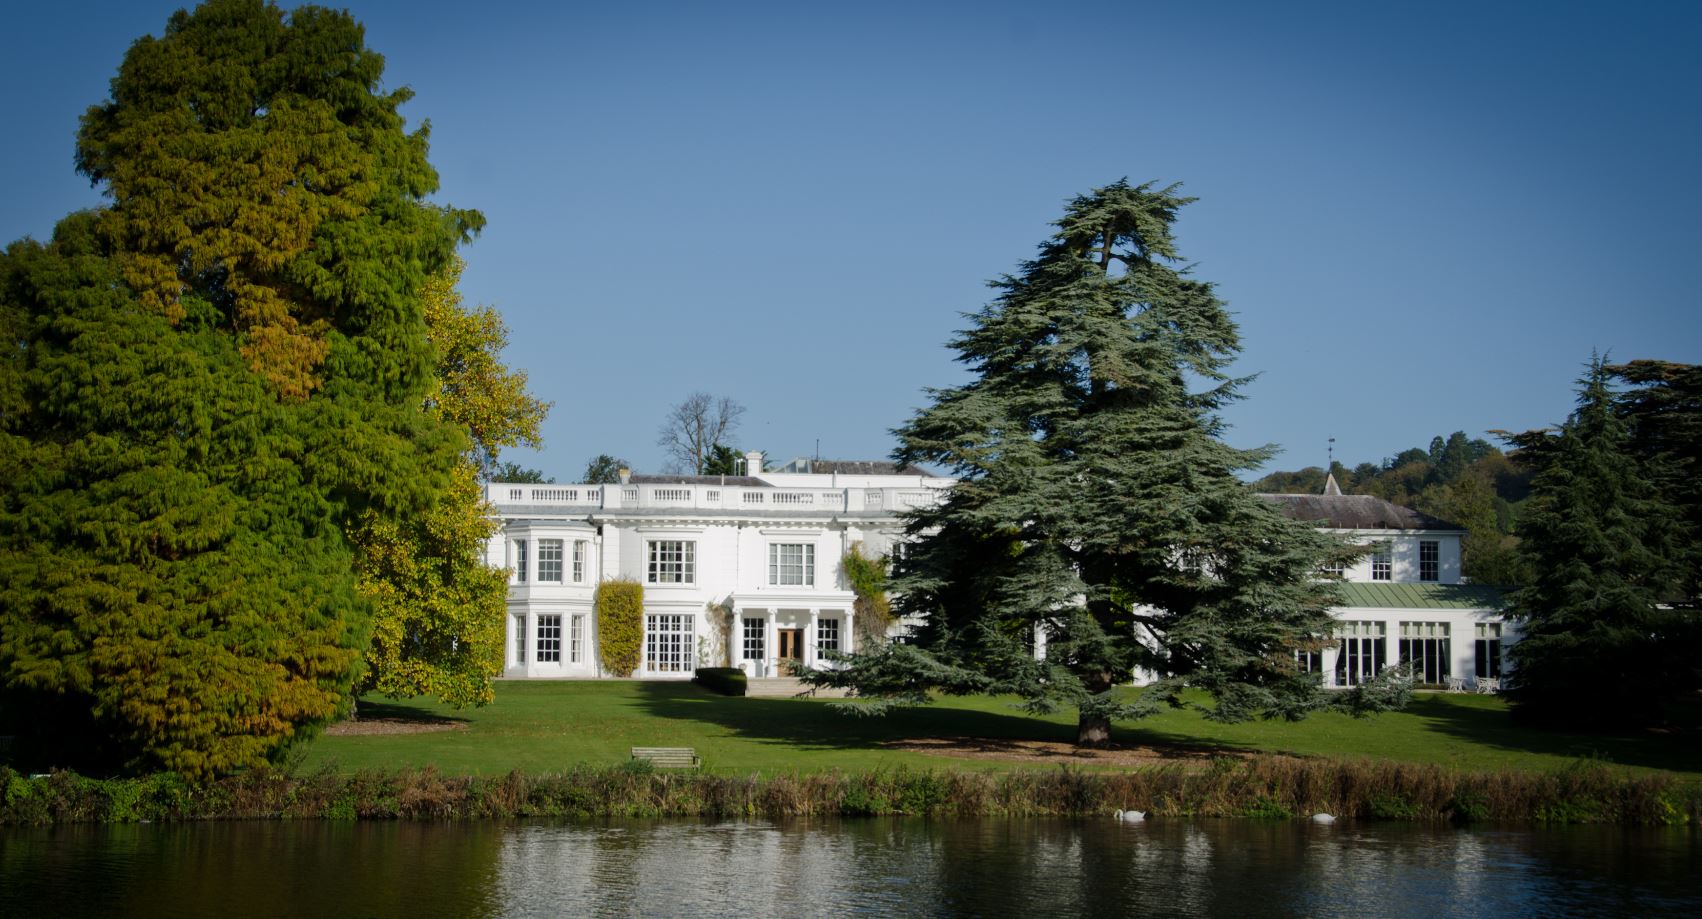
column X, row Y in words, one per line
column 1277, row 787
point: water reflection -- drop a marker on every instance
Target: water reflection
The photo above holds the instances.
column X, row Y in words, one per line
column 830, row 868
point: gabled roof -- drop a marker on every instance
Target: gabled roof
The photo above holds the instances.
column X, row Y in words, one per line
column 1422, row 596
column 1357, row 512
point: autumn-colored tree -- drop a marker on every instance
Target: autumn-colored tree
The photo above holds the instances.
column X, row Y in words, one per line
column 437, row 608
column 206, row 383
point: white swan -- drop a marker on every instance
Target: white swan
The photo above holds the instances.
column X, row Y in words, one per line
column 1323, row 818
column 1130, row 816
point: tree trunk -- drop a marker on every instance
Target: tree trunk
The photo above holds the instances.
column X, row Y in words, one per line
column 1093, row 730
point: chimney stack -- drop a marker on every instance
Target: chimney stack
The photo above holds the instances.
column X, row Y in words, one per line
column 753, row 462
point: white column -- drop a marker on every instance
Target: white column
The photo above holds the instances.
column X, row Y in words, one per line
column 847, row 627
column 771, row 644
column 810, row 639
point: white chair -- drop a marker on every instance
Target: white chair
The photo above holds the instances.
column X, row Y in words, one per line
column 1488, row 684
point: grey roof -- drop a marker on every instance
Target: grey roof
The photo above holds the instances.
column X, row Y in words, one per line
column 863, row 467
column 741, row 481
column 1357, row 512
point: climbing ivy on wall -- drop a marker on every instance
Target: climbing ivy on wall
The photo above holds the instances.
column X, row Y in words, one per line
column 620, row 625
column 867, row 577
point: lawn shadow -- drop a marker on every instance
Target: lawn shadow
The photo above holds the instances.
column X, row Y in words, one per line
column 1676, row 747
column 404, row 713
column 821, row 725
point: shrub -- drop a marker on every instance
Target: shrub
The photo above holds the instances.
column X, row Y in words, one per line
column 728, row 681
column 620, row 625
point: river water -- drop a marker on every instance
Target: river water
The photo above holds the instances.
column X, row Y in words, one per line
column 897, row 867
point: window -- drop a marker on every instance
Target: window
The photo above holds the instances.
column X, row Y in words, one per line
column 791, row 564
column 520, row 639
column 1364, row 653
column 673, row 561
column 1382, row 564
column 827, row 635
column 1309, row 661
column 579, row 561
column 668, row 641
column 1424, row 648
column 520, row 561
column 1489, row 650
column 549, row 637
column 576, row 640
column 756, row 636
column 549, row 561
column 1429, row 560
column 1334, row 568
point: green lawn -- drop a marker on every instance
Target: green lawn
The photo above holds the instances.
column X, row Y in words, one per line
column 548, row 726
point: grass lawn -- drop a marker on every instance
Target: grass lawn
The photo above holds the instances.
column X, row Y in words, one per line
column 540, row 726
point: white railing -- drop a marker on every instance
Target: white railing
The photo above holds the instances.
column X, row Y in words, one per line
column 720, row 498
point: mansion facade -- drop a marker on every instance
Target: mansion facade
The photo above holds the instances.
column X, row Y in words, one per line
column 746, row 569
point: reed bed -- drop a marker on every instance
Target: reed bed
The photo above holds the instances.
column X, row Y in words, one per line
column 1261, row 786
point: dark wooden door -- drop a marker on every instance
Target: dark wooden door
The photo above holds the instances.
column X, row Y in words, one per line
column 791, row 644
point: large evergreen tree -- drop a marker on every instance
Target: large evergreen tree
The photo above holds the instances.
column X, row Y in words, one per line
column 1096, row 504
column 1597, row 643
column 208, row 381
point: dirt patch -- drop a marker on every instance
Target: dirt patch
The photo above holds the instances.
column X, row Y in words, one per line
column 1052, row 752
column 367, row 726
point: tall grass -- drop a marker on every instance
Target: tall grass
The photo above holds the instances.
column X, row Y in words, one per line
column 1262, row 786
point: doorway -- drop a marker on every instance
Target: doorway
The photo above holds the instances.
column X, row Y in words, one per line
column 791, row 644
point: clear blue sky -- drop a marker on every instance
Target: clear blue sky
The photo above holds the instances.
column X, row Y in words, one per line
column 1425, row 215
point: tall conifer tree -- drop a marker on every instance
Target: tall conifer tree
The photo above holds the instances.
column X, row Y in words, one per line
column 211, row 378
column 1096, row 503
column 1597, row 642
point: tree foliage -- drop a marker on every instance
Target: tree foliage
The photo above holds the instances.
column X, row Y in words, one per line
column 1605, row 548
column 604, row 469
column 209, row 380
column 694, row 426
column 620, row 625
column 1096, row 503
column 520, row 475
column 1663, row 411
column 723, row 460
column 438, row 609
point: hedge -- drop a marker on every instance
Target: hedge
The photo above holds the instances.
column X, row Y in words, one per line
column 728, row 681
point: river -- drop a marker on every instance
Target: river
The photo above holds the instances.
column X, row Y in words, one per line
column 878, row 867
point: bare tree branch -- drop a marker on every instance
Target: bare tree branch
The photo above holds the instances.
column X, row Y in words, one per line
column 694, row 426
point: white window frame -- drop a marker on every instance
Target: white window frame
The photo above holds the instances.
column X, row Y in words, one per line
column 797, row 571
column 1362, row 650
column 549, row 561
column 670, row 642
column 755, row 639
column 1428, row 648
column 548, row 649
column 1383, row 564
column 579, row 561
column 1429, row 569
column 827, row 635
column 521, row 624
column 520, row 561
column 671, row 561
column 576, row 639
column 1486, row 650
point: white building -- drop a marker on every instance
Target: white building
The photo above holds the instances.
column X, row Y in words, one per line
column 754, row 561
column 1405, row 601
column 764, row 549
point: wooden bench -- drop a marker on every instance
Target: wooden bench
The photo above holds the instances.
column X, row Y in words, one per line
column 669, row 757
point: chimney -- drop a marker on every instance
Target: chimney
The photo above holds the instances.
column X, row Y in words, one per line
column 626, row 475
column 753, row 462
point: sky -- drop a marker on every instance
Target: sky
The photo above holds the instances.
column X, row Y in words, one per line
column 1425, row 216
